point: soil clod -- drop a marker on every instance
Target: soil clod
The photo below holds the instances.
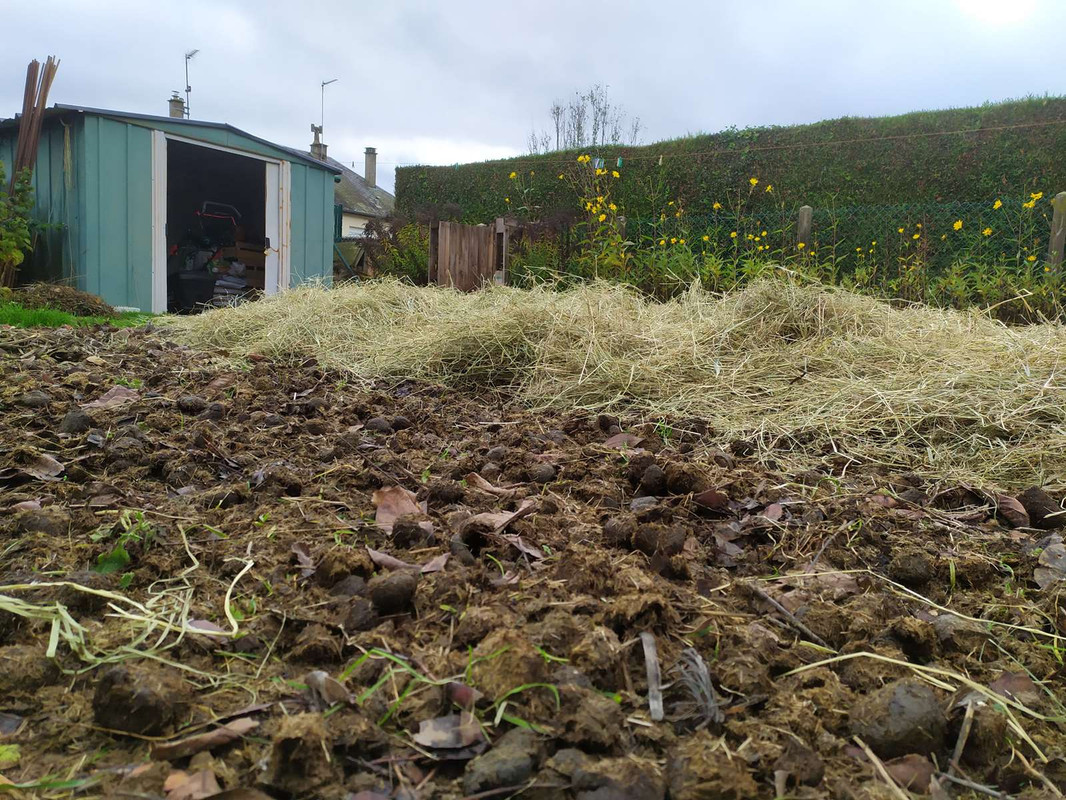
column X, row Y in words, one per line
column 903, row 717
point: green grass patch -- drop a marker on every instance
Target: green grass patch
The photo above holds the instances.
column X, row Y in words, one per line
column 17, row 316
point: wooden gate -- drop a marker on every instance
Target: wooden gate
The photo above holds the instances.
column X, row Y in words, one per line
column 466, row 257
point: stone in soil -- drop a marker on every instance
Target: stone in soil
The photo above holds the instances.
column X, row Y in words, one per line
column 378, row 425
column 339, row 563
column 511, row 761
column 400, row 423
column 1042, row 508
column 76, row 421
column 144, row 701
column 541, row 473
column 900, row 718
column 497, row 454
column 360, row 615
column 630, row 778
column 35, row 399
column 191, row 404
column 590, row 720
column 618, row 531
column 411, row 531
column 349, row 586
column 393, row 593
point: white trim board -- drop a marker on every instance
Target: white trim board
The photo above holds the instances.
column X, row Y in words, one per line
column 223, row 148
column 159, row 223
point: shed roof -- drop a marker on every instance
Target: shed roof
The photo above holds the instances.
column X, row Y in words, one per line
column 357, row 196
column 192, row 124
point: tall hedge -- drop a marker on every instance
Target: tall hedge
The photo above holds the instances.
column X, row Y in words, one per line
column 954, row 155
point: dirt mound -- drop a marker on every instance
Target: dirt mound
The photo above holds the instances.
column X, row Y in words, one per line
column 62, row 298
column 273, row 579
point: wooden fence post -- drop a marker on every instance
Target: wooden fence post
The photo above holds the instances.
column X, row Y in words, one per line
column 434, row 251
column 803, row 226
column 1058, row 231
column 503, row 245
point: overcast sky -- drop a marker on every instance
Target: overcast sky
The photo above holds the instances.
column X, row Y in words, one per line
column 446, row 82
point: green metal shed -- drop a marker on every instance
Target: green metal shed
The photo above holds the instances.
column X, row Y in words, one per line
column 117, row 191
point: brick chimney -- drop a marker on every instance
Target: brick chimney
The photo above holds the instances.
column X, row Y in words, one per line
column 177, row 106
column 370, row 171
column 318, row 148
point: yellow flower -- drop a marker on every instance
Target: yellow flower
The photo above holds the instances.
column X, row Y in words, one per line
column 750, row 237
column 756, row 238
column 918, row 225
column 1030, row 204
column 986, row 232
column 613, row 207
column 680, row 241
column 760, row 248
column 507, row 200
column 532, row 173
column 1030, row 258
column 858, row 249
column 943, row 236
column 599, row 199
column 513, row 175
column 706, row 238
column 899, row 230
column 602, row 217
column 871, row 249
column 916, row 236
column 677, row 214
column 717, row 206
column 588, row 206
column 614, row 174
column 1035, row 195
column 764, row 233
column 583, row 159
column 600, row 171
column 753, row 181
column 662, row 243
column 800, row 245
column 996, row 206
column 732, row 234
column 957, row 225
column 769, row 187
column 662, row 217
column 1047, row 269
column 673, row 240
column 873, row 243
column 670, row 203
column 560, row 176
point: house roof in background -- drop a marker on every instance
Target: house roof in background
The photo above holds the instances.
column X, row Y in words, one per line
column 359, row 197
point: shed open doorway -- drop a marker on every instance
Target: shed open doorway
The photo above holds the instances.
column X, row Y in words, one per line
column 218, row 220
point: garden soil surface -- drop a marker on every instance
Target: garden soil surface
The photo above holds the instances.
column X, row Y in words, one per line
column 264, row 581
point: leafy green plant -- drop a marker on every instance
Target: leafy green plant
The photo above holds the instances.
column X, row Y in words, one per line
column 15, row 225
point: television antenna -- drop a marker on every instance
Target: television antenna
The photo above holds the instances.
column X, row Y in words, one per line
column 189, row 55
column 322, row 117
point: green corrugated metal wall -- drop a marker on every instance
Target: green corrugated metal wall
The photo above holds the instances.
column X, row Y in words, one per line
column 57, row 209
column 100, row 204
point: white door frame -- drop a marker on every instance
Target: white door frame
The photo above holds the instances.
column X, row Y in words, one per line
column 278, row 207
column 159, row 223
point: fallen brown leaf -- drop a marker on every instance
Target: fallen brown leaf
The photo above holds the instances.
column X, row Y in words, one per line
column 303, row 558
column 209, row 740
column 623, row 441
column 393, row 502
column 712, row 499
column 326, row 688
column 1010, row 509
column 114, row 397
column 43, row 467
column 475, row 480
column 435, row 564
column 197, row 786
column 385, row 561
column 449, row 732
column 1052, row 567
column 912, row 772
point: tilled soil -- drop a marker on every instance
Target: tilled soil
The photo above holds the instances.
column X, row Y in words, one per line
column 268, row 582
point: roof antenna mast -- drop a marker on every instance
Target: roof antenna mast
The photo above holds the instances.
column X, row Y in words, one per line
column 188, row 57
column 322, row 117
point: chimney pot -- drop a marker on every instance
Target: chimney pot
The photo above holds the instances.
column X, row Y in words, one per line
column 318, row 147
column 370, row 171
column 177, row 106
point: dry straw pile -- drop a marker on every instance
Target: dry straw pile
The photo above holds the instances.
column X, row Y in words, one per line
column 802, row 372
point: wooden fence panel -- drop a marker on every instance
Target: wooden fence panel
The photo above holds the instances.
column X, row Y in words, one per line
column 465, row 255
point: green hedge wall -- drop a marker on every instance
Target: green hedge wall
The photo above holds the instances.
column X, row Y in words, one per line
column 831, row 163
